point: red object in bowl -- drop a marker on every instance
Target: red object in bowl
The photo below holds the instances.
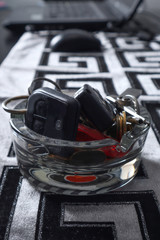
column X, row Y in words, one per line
column 80, row 178
column 86, row 133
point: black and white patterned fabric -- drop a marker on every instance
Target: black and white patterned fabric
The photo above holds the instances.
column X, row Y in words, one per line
column 130, row 213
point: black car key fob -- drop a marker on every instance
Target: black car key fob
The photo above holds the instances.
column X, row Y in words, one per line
column 94, row 108
column 52, row 114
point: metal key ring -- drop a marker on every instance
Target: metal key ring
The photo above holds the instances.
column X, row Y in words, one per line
column 32, row 86
column 14, row 111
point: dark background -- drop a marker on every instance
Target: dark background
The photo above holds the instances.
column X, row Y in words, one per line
column 148, row 14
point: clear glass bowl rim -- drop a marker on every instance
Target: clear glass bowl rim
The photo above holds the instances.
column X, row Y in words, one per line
column 37, row 138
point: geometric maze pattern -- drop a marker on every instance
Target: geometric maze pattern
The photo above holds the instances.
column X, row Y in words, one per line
column 127, row 60
column 10, row 185
column 154, row 109
column 101, row 217
column 133, row 213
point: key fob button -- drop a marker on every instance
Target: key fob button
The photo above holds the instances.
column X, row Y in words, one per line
column 59, row 124
column 40, row 108
column 38, row 126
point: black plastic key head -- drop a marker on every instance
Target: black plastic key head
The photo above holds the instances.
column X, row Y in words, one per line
column 94, row 108
column 52, row 114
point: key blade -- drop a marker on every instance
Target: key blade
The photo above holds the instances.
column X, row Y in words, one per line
column 127, row 109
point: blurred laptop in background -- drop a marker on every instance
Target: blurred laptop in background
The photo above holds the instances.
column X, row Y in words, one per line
column 59, row 14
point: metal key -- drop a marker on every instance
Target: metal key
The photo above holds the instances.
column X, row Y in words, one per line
column 129, row 110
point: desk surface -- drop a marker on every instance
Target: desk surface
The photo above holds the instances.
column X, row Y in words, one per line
column 8, row 38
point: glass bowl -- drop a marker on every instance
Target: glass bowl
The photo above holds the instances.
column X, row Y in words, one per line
column 78, row 168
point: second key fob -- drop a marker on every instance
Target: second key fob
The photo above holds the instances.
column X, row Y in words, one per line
column 52, row 114
column 93, row 108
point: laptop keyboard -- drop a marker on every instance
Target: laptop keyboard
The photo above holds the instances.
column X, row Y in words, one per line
column 65, row 9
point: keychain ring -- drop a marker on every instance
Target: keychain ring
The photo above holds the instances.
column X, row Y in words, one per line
column 14, row 111
column 31, row 88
